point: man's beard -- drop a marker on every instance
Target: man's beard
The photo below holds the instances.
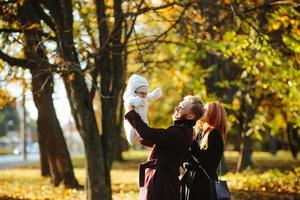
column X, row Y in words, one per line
column 178, row 117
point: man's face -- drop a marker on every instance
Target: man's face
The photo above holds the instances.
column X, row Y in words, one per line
column 182, row 111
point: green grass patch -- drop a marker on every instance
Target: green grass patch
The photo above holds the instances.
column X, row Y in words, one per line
column 264, row 161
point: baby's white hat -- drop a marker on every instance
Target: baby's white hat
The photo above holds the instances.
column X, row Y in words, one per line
column 142, row 89
column 138, row 83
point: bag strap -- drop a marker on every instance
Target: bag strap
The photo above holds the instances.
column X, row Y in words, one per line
column 220, row 168
column 200, row 167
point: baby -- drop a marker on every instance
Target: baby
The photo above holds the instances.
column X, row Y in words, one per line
column 136, row 94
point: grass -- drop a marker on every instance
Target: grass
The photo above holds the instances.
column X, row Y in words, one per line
column 6, row 150
column 26, row 183
column 263, row 161
column 260, row 183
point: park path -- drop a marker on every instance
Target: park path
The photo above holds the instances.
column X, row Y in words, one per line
column 7, row 161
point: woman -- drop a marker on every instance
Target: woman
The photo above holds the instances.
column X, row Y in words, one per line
column 206, row 151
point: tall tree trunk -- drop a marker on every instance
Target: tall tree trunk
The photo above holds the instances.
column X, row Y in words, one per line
column 118, row 151
column 291, row 133
column 273, row 145
column 45, row 168
column 53, row 147
column 245, row 116
column 112, row 75
column 50, row 132
column 98, row 179
column 118, row 74
column 98, row 184
column 245, row 152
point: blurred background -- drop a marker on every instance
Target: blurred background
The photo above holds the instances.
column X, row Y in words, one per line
column 64, row 68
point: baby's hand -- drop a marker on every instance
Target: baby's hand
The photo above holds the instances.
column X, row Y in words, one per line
column 155, row 94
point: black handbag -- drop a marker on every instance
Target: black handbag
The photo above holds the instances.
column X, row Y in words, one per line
column 218, row 188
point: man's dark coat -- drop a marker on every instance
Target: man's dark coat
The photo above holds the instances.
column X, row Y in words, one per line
column 159, row 175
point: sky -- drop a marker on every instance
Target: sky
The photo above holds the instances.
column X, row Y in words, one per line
column 60, row 100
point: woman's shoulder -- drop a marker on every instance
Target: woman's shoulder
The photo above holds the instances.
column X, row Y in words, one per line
column 215, row 134
column 215, row 131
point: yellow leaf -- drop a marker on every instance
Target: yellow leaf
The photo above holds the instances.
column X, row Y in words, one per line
column 227, row 1
column 292, row 21
column 276, row 26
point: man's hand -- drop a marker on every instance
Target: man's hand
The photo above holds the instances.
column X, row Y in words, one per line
column 130, row 107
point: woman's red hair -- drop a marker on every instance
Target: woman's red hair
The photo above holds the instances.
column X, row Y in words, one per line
column 215, row 117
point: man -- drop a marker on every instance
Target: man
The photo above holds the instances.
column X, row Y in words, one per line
column 159, row 175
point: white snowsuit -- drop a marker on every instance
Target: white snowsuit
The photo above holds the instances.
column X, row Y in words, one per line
column 140, row 104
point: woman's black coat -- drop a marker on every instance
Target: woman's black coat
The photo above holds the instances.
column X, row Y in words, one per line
column 194, row 183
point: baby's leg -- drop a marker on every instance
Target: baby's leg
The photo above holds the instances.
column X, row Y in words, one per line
column 131, row 135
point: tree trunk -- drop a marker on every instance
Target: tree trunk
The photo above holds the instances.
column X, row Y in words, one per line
column 273, row 145
column 98, row 183
column 45, row 168
column 291, row 132
column 245, row 116
column 118, row 75
column 245, row 152
column 53, row 145
column 50, row 131
column 118, row 151
column 112, row 78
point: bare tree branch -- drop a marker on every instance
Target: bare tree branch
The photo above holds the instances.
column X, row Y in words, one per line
column 148, row 9
column 133, row 24
column 94, row 88
column 14, row 61
column 29, row 31
column 46, row 18
column 26, row 64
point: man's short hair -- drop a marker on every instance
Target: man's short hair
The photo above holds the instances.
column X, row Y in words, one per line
column 197, row 106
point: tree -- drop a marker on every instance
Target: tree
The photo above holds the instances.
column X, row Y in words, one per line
column 89, row 44
column 240, row 45
column 55, row 158
column 53, row 145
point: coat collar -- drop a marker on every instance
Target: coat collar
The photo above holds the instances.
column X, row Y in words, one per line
column 187, row 122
